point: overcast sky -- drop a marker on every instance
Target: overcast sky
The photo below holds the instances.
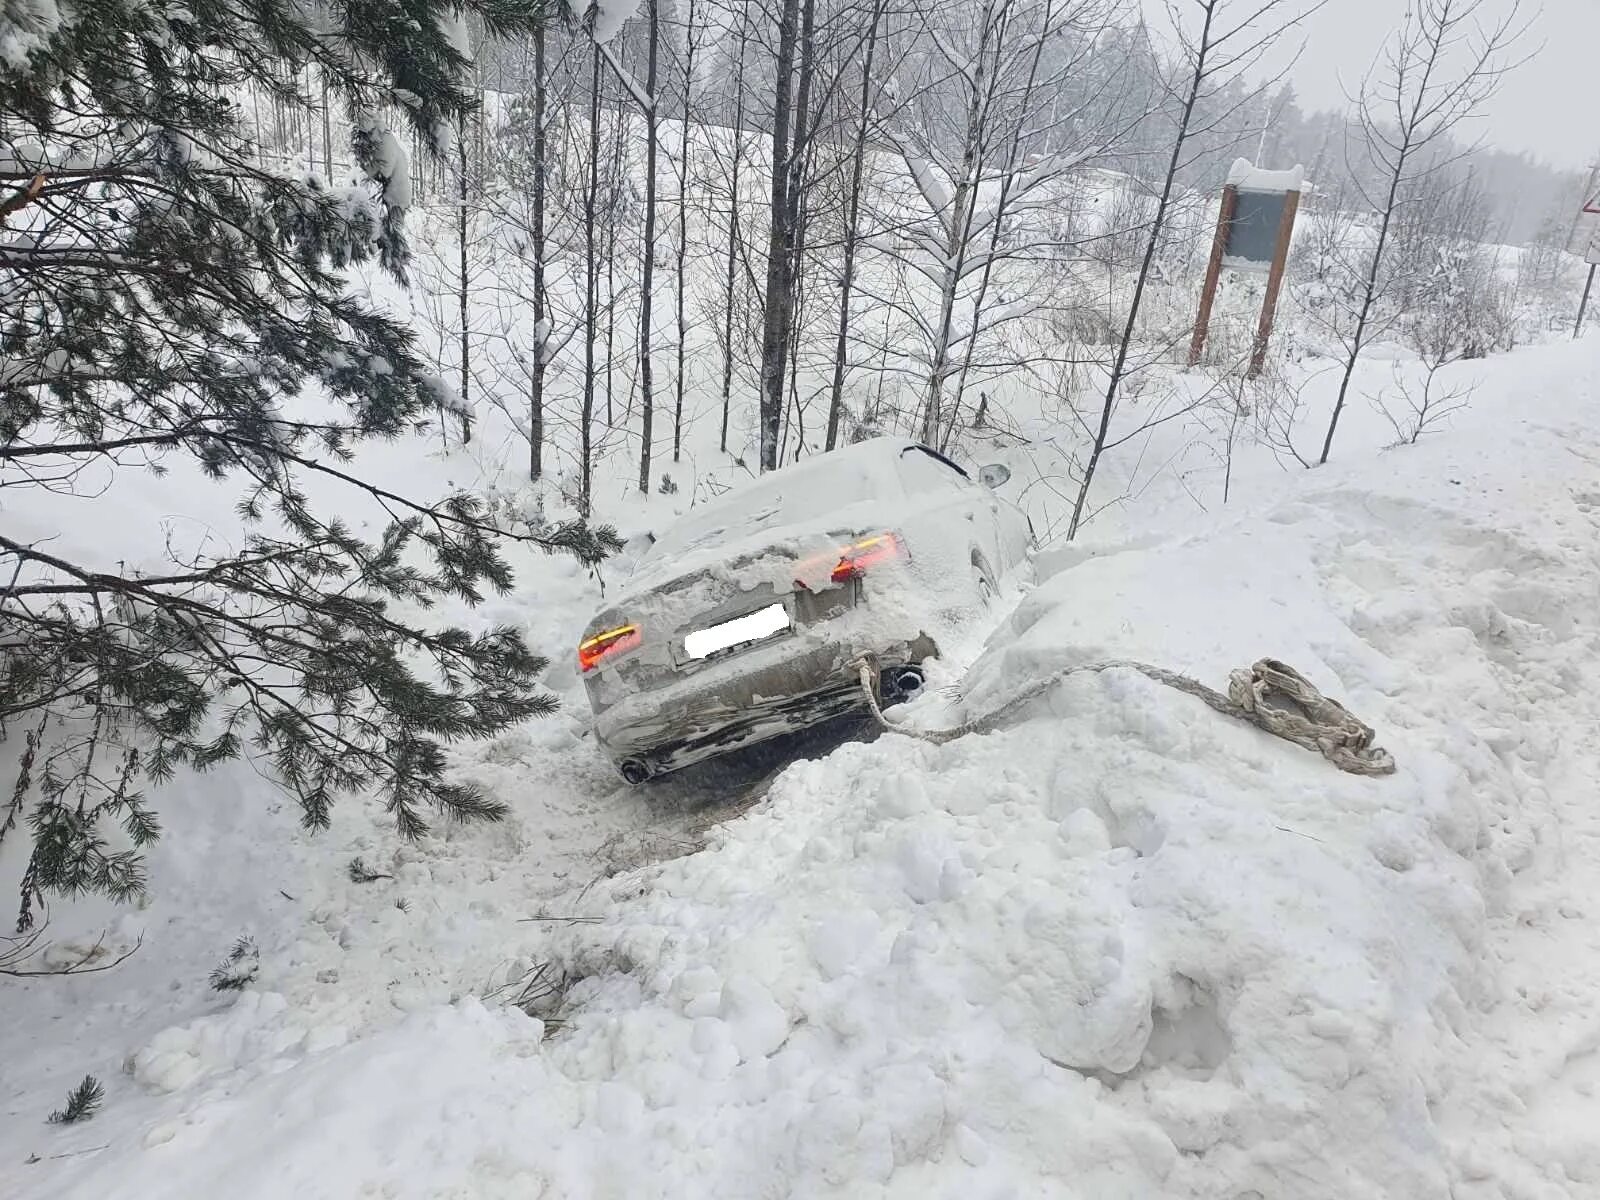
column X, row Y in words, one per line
column 1550, row 106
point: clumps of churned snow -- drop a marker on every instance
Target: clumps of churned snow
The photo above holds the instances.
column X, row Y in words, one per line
column 1121, row 947
column 246, row 1033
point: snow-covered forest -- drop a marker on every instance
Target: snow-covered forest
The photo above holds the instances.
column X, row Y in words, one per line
column 351, row 358
column 967, row 197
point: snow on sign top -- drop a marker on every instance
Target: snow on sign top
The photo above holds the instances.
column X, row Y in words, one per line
column 1245, row 176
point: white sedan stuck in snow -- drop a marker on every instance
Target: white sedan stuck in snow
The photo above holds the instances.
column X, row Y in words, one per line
column 744, row 619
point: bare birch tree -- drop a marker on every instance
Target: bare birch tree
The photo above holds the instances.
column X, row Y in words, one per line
column 1439, row 68
column 858, row 158
column 690, row 39
column 647, row 257
column 1218, row 41
column 735, row 231
column 591, row 276
column 778, row 311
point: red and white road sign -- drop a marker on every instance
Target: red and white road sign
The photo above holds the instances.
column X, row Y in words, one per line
column 1586, row 229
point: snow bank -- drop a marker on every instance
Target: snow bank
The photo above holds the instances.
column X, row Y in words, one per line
column 1121, row 948
column 1125, row 943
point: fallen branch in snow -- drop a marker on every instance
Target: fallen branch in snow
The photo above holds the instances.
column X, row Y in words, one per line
column 82, row 1103
column 239, row 968
column 17, row 955
column 360, row 873
column 1270, row 695
column 35, row 1158
column 537, row 992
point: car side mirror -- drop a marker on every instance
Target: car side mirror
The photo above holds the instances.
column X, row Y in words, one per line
column 994, row 475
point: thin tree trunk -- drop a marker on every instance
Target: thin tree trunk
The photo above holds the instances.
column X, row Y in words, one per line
column 327, row 130
column 1370, row 283
column 306, row 127
column 540, row 306
column 590, row 283
column 733, row 238
column 1369, row 295
column 613, row 202
column 792, row 406
column 683, row 231
column 777, row 308
column 858, row 159
column 462, row 281
column 800, row 159
column 958, row 235
column 1120, row 362
column 1012, row 164
column 647, row 281
column 423, row 183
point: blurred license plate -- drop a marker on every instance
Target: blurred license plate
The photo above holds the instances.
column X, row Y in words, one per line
column 752, row 627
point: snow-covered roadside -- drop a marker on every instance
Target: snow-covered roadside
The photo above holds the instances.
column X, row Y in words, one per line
column 1122, row 948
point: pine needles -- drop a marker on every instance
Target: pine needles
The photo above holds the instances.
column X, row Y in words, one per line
column 360, row 873
column 82, row 1103
column 238, row 968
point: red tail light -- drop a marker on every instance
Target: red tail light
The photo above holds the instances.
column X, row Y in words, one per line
column 868, row 552
column 602, row 645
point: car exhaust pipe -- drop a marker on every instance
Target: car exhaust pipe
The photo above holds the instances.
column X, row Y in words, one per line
column 635, row 771
column 907, row 681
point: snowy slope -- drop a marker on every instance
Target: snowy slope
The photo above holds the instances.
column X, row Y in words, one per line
column 1121, row 948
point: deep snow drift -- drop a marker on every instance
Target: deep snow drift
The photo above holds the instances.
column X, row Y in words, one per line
column 1120, row 948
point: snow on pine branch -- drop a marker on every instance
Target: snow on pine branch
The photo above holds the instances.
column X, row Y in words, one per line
column 26, row 26
column 453, row 25
column 445, row 397
column 384, row 161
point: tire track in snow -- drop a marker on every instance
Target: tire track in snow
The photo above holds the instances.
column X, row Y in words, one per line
column 1520, row 1105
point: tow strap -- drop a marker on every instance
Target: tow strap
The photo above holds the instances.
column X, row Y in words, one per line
column 1269, row 695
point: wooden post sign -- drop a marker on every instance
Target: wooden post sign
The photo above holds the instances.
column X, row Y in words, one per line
column 1254, row 226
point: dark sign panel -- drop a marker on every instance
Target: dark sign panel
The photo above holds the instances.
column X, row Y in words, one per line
column 1253, row 231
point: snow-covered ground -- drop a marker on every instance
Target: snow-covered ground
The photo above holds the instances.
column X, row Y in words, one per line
column 1120, row 948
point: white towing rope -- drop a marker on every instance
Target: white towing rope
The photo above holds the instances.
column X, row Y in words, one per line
column 1269, row 695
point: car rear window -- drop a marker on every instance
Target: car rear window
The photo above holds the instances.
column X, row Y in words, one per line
column 800, row 495
column 926, row 471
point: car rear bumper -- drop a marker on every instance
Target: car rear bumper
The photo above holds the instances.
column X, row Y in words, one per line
column 747, row 701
